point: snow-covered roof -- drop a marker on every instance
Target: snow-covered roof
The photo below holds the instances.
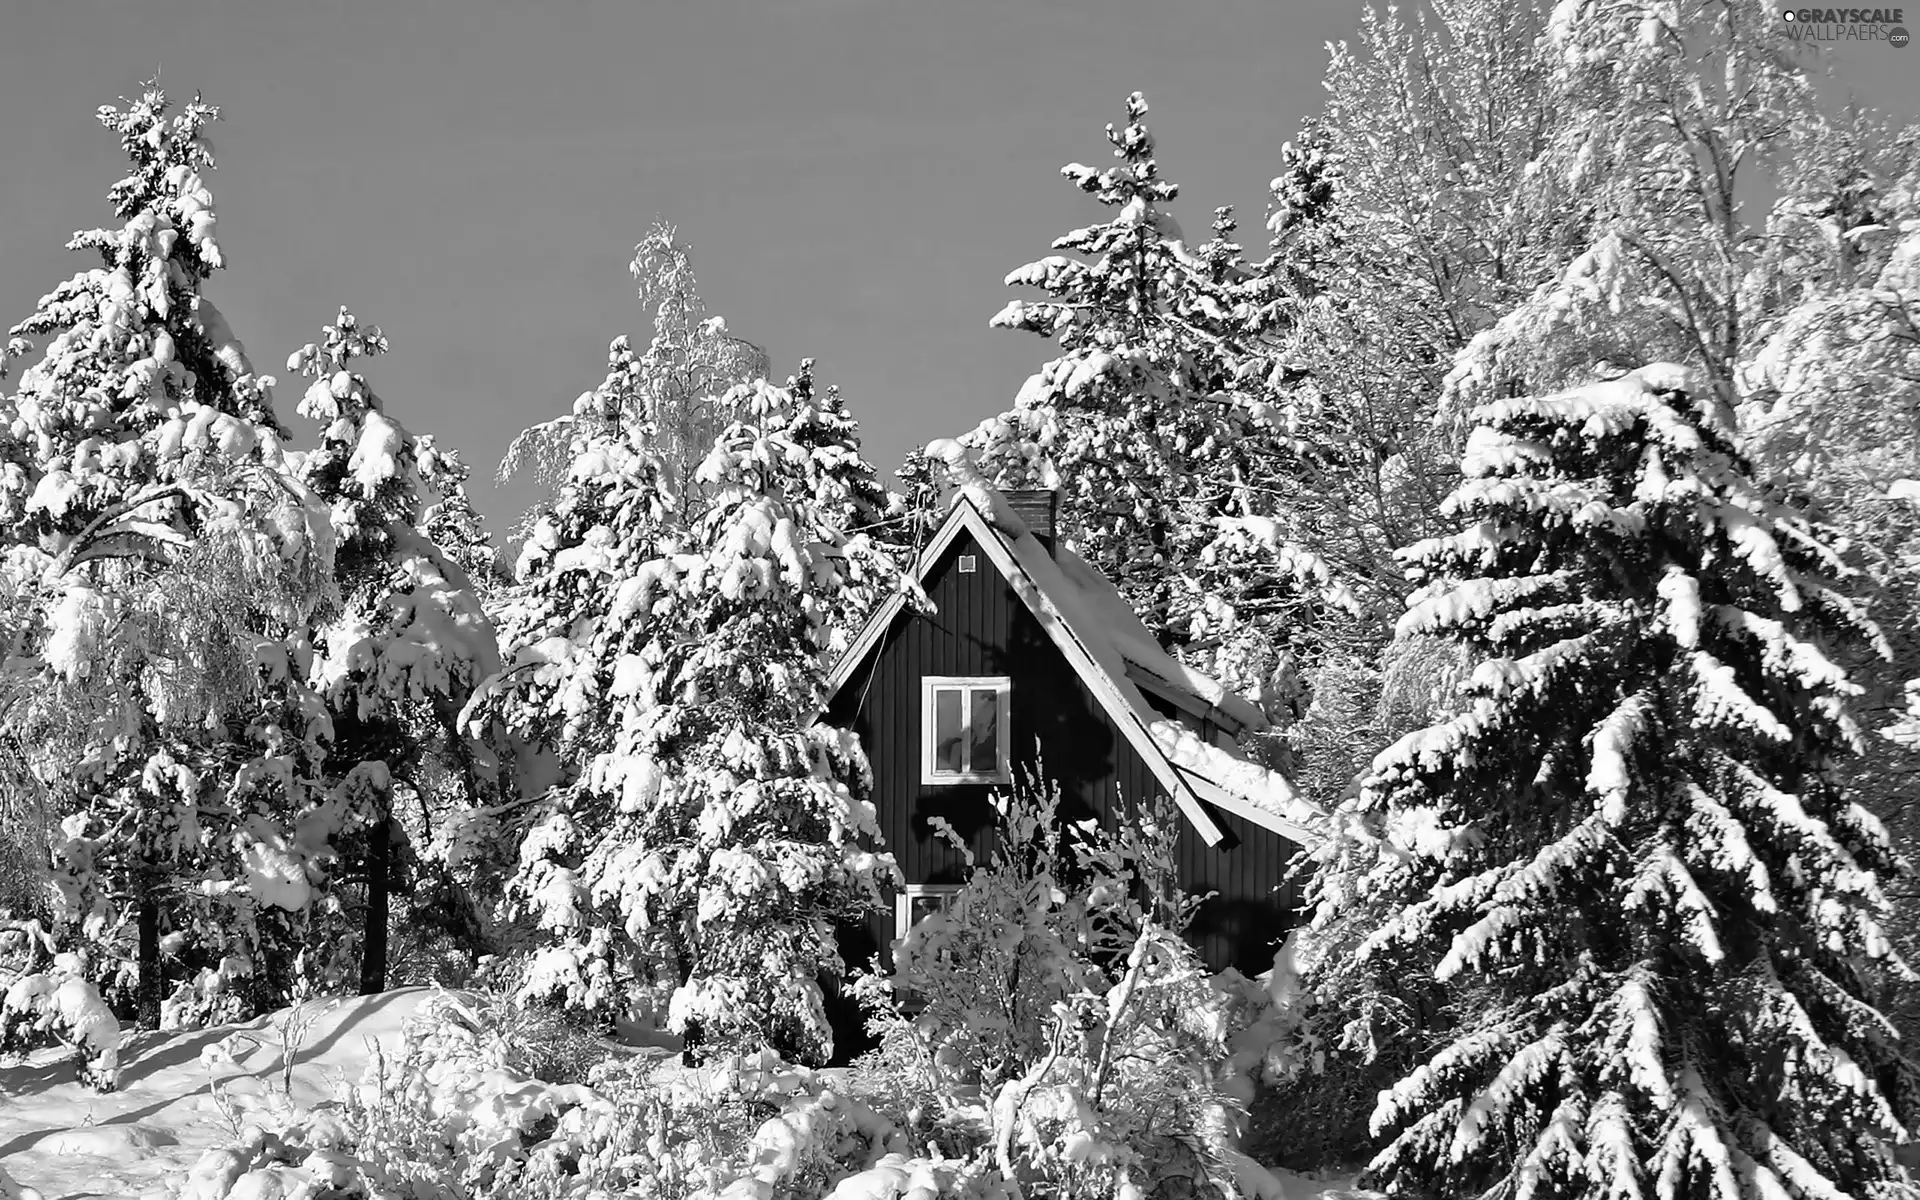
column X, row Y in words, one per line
column 1147, row 664
column 1115, row 656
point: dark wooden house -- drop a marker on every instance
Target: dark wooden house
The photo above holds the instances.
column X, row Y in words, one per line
column 1029, row 654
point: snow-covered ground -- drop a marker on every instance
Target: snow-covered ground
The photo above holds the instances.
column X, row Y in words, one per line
column 61, row 1141
column 70, row 1143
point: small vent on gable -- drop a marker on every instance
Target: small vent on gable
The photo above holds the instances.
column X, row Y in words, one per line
column 967, row 564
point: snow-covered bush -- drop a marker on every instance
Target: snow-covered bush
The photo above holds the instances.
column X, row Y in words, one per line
column 454, row 1115
column 46, row 996
column 538, row 1040
column 24, row 820
column 1122, row 1076
column 1053, row 1019
column 449, row 1115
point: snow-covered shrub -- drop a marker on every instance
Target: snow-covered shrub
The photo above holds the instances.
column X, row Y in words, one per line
column 1023, row 948
column 1054, row 1019
column 540, row 1041
column 439, row 932
column 451, row 1116
column 1312, row 1113
column 42, row 1001
column 22, row 875
column 210, row 996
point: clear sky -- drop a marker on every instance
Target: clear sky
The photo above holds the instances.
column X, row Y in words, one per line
column 856, row 177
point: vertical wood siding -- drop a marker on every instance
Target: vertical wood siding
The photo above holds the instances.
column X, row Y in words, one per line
column 980, row 627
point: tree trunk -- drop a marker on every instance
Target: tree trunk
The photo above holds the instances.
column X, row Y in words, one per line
column 146, row 1005
column 373, row 940
column 693, row 1040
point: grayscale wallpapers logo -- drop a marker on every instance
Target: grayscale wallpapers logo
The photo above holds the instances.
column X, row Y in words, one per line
column 1847, row 25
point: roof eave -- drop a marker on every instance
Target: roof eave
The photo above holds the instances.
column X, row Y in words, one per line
column 1232, row 802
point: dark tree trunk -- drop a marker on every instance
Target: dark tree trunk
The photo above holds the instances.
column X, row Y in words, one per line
column 693, row 1042
column 373, row 940
column 146, row 1004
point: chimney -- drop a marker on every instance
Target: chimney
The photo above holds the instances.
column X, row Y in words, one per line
column 1039, row 508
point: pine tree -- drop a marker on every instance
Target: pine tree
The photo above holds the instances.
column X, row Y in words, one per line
column 157, row 540
column 843, row 489
column 699, row 861
column 846, row 489
column 610, row 517
column 917, row 506
column 410, row 641
column 452, row 522
column 1628, row 865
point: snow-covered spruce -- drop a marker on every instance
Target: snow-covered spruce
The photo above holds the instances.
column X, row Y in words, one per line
column 1627, row 863
column 698, row 860
column 841, row 486
column 1157, row 416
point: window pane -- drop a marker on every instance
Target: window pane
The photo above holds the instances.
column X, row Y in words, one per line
column 919, row 908
column 947, row 731
column 985, row 731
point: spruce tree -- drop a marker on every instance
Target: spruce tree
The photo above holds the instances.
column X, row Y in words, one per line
column 1157, row 418
column 699, row 861
column 916, row 509
column 844, row 491
column 1627, row 867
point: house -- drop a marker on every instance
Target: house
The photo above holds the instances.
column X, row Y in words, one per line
column 1029, row 650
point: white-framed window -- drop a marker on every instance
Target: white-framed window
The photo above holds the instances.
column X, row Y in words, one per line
column 965, row 729
column 918, row 901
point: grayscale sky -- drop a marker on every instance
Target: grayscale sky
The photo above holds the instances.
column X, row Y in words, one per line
column 856, row 177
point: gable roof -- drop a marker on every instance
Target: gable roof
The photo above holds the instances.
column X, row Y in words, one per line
column 1116, row 658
